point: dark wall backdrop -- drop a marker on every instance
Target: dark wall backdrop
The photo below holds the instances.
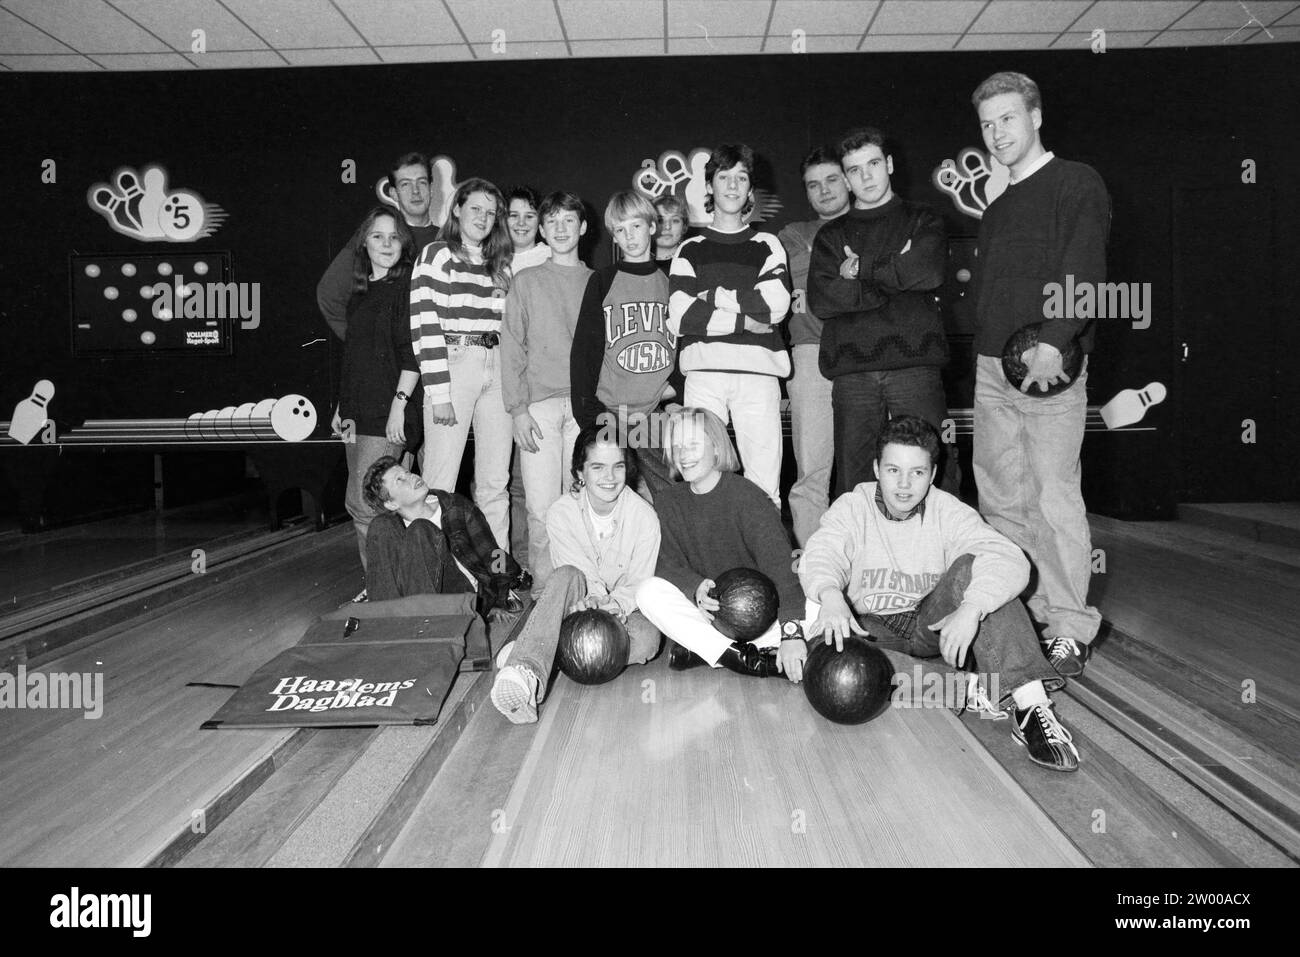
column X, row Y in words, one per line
column 267, row 146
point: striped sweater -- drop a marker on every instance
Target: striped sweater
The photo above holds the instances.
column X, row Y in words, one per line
column 716, row 282
column 449, row 295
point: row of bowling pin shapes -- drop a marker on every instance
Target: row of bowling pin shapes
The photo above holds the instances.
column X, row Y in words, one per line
column 291, row 418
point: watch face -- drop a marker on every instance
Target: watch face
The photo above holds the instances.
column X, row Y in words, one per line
column 790, row 628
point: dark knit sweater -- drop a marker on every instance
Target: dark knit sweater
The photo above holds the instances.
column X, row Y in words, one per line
column 732, row 526
column 1052, row 225
column 375, row 353
column 887, row 318
column 623, row 351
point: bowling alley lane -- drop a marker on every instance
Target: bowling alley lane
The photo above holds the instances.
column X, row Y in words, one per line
column 706, row 768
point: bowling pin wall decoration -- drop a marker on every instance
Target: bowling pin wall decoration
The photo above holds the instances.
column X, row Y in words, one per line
column 973, row 180
column 140, row 205
column 1130, row 405
column 290, row 418
column 30, row 414
column 677, row 174
column 442, row 187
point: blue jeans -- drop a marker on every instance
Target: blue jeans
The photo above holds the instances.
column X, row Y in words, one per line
column 1005, row 645
column 1028, row 472
column 812, row 432
column 862, row 402
column 362, row 453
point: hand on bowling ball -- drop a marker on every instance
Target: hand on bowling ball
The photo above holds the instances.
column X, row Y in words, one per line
column 835, row 620
column 790, row 656
column 956, row 632
column 704, row 601
column 395, row 428
column 1045, row 367
column 444, row 413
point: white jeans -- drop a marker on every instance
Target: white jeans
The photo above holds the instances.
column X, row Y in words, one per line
column 677, row 616
column 476, row 399
column 753, row 404
column 546, row 476
column 812, row 427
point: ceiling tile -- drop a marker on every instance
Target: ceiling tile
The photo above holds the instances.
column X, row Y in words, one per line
column 940, row 16
column 19, row 37
column 815, row 44
column 613, row 19
column 902, row 43
column 523, row 50
column 847, row 17
column 1118, row 39
column 247, row 60
column 49, row 62
column 1280, row 35
column 175, row 22
column 520, row 21
column 296, row 24
column 1183, row 38
column 1028, row 16
column 91, row 27
column 1121, row 15
column 1005, row 41
column 601, row 48
column 144, row 61
column 343, row 56
column 692, row 46
column 720, row 18
column 398, row 22
column 1232, row 15
column 425, row 54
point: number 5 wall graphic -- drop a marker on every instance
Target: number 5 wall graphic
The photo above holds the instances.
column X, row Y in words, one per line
column 139, row 205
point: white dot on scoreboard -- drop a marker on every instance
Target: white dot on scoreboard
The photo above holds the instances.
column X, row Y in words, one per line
column 184, row 291
column 129, row 315
column 165, row 315
column 146, row 292
column 92, row 270
column 200, row 268
column 110, row 292
column 148, row 338
column 164, row 269
column 128, row 269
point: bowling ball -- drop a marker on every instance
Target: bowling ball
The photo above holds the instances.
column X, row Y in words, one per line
column 1013, row 363
column 748, row 602
column 850, row 686
column 593, row 646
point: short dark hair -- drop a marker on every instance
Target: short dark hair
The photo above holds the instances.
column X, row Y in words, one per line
column 562, row 201
column 819, row 156
column 864, row 136
column 582, row 446
column 526, row 193
column 409, row 159
column 372, row 486
column 1008, row 82
column 728, row 156
column 909, row 430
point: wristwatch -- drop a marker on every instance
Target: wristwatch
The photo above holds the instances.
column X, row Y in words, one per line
column 403, row 396
column 791, row 630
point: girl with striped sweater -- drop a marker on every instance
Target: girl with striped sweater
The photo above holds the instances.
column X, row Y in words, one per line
column 457, row 294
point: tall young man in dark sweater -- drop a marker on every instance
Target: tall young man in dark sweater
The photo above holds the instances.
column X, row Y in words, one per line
column 871, row 280
column 410, row 179
column 1050, row 224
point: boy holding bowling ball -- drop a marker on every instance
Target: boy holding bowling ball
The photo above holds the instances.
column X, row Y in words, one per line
column 916, row 570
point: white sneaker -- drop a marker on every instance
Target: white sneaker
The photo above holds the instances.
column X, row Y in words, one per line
column 514, row 693
column 504, row 654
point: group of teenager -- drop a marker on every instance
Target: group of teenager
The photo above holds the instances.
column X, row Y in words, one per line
column 605, row 397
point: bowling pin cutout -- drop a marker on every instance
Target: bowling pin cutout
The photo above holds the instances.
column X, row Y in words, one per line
column 30, row 414
column 1130, row 405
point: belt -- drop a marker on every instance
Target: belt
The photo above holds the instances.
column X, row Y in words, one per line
column 488, row 340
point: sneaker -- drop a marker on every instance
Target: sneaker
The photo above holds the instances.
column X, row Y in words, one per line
column 977, row 701
column 1066, row 655
column 1049, row 744
column 514, row 693
column 504, row 654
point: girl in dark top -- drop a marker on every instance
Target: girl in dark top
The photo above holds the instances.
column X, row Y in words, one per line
column 380, row 372
column 711, row 521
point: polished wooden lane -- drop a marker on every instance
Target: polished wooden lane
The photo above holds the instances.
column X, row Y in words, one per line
column 705, row 768
column 114, row 790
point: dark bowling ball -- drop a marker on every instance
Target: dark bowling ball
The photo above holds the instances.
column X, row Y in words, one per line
column 1013, row 363
column 850, row 686
column 748, row 602
column 593, row 646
